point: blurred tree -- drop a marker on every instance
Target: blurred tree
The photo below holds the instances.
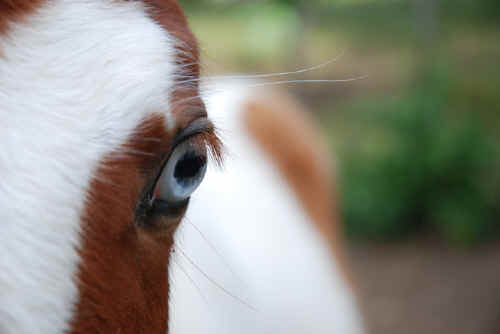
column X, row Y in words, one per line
column 492, row 9
column 435, row 171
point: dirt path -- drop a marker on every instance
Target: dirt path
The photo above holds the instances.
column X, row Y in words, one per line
column 425, row 287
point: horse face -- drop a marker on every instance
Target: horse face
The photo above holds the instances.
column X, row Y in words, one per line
column 102, row 139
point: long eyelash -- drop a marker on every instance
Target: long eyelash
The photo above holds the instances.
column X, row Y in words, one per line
column 214, row 146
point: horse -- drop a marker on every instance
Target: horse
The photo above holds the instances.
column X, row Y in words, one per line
column 104, row 138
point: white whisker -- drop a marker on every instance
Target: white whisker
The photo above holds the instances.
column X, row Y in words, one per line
column 284, row 82
column 214, row 249
column 278, row 74
column 215, row 283
column 191, row 280
column 267, row 75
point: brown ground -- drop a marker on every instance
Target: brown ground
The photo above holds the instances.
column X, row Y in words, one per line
column 423, row 286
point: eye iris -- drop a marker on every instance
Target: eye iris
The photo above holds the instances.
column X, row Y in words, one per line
column 188, row 167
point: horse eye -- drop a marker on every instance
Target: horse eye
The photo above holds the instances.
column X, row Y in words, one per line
column 182, row 174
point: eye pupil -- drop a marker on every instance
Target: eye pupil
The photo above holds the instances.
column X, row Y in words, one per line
column 189, row 166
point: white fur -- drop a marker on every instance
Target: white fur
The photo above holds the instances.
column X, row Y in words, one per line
column 261, row 247
column 75, row 80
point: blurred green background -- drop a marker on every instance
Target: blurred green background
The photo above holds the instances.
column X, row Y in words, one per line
column 416, row 140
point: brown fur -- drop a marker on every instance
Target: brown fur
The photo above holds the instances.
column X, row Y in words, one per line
column 16, row 10
column 123, row 277
column 290, row 139
column 123, row 281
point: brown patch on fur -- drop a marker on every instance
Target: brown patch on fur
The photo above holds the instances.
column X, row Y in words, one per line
column 16, row 10
column 290, row 139
column 123, row 281
column 123, row 274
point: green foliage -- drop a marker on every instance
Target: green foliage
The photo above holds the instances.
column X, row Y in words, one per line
column 425, row 160
column 434, row 168
column 479, row 9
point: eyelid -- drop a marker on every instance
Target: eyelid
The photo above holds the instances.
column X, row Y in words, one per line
column 196, row 127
